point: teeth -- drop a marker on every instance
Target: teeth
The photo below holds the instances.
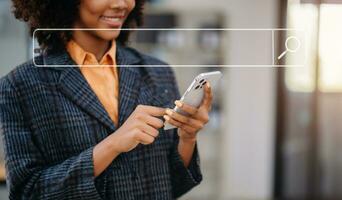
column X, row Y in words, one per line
column 113, row 19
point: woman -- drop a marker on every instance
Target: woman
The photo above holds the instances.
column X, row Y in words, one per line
column 95, row 132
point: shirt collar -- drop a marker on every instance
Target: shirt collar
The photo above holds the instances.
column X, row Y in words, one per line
column 62, row 60
column 80, row 56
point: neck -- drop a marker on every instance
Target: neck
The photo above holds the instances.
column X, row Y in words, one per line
column 91, row 43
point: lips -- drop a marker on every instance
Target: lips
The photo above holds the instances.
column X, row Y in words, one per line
column 112, row 21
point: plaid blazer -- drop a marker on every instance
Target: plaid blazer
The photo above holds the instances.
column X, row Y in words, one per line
column 51, row 120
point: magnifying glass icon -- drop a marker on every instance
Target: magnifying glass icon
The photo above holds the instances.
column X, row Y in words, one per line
column 288, row 49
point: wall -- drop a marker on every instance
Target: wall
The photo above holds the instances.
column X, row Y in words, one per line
column 250, row 108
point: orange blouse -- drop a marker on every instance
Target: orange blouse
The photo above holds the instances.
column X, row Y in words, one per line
column 102, row 79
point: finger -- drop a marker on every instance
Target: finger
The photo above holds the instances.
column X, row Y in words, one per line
column 208, row 96
column 177, row 116
column 180, row 125
column 184, row 119
column 191, row 110
column 204, row 117
column 172, row 121
column 188, row 129
column 144, row 138
column 148, row 129
column 152, row 121
column 152, row 110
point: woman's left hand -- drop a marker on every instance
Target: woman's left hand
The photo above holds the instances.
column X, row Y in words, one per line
column 189, row 125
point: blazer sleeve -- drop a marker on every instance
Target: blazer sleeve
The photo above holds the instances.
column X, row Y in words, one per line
column 183, row 178
column 28, row 177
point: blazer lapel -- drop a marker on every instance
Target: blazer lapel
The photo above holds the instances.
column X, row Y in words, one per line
column 129, row 82
column 75, row 87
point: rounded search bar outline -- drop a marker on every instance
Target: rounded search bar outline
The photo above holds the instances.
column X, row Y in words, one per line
column 176, row 29
column 288, row 49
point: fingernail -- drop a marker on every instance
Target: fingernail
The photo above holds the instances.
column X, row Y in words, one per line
column 167, row 118
column 208, row 84
column 169, row 112
column 179, row 103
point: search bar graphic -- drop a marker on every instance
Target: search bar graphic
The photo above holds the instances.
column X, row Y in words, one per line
column 288, row 49
column 209, row 47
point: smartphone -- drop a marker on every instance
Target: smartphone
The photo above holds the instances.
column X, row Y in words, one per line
column 195, row 92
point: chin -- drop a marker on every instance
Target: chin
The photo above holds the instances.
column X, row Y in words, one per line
column 108, row 35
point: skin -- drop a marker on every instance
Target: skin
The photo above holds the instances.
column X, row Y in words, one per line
column 90, row 16
column 189, row 125
column 142, row 125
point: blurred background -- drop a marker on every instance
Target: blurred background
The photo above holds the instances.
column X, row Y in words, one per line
column 274, row 130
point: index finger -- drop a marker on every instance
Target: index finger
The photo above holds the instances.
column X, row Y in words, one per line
column 191, row 110
column 152, row 110
column 208, row 96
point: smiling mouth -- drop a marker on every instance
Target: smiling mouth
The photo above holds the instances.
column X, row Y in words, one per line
column 112, row 21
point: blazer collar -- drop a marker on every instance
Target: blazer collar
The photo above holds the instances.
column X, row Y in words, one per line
column 74, row 86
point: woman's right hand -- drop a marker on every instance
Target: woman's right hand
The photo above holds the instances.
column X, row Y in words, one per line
column 140, row 127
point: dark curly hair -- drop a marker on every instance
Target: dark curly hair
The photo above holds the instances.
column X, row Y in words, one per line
column 62, row 14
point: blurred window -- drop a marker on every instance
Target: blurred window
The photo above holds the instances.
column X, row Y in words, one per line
column 330, row 47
